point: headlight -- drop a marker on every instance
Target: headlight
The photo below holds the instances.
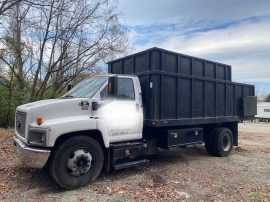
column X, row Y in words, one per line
column 37, row 136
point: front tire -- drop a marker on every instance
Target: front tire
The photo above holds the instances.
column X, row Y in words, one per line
column 222, row 142
column 76, row 162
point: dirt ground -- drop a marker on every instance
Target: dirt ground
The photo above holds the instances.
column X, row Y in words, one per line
column 179, row 174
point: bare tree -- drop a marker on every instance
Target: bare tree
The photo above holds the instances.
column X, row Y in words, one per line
column 53, row 44
column 260, row 94
column 5, row 5
column 74, row 37
column 14, row 53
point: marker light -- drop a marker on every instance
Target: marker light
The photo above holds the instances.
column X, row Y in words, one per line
column 39, row 121
column 110, row 87
column 153, row 123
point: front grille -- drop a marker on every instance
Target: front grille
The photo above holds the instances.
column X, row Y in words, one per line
column 20, row 123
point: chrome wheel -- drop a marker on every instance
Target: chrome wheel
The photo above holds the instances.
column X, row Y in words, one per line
column 79, row 162
column 226, row 142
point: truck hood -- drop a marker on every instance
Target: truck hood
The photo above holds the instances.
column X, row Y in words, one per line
column 56, row 108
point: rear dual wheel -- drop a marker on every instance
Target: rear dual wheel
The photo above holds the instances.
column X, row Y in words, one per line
column 76, row 162
column 220, row 142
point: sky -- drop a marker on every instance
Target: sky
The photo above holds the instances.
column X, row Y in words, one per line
column 233, row 32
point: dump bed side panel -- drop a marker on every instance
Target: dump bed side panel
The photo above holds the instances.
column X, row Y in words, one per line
column 183, row 90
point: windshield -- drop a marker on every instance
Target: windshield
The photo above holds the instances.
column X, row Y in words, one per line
column 87, row 88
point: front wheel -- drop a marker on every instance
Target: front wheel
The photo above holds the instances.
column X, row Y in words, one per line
column 76, row 162
column 222, row 142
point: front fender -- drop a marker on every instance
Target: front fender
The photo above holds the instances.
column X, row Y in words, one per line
column 101, row 126
column 62, row 126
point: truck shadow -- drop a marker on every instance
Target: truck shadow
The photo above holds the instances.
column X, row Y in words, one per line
column 41, row 182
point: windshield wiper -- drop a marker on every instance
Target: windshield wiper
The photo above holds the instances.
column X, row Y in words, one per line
column 68, row 96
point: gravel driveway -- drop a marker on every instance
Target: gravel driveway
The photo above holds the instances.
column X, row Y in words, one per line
column 179, row 174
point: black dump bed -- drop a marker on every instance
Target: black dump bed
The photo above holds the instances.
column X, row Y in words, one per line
column 181, row 90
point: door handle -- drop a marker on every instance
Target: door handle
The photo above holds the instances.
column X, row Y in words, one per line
column 141, row 100
column 137, row 107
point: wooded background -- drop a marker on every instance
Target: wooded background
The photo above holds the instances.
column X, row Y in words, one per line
column 47, row 44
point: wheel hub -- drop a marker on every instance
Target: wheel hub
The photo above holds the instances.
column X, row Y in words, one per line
column 226, row 142
column 79, row 162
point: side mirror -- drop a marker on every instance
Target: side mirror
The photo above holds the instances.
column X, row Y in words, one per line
column 69, row 87
column 94, row 106
column 112, row 87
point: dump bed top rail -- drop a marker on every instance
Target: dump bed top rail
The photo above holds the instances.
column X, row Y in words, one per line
column 156, row 59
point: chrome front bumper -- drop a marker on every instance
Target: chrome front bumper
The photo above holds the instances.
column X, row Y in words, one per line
column 33, row 157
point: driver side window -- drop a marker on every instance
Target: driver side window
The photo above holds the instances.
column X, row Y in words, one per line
column 125, row 90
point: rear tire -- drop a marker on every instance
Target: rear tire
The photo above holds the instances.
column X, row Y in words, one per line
column 208, row 144
column 222, row 142
column 76, row 162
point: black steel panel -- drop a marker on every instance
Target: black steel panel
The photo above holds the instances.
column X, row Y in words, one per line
column 210, row 71
column 193, row 121
column 155, row 60
column 129, row 151
column 221, row 72
column 176, row 138
column 156, row 92
column 146, row 96
column 220, row 96
column 141, row 63
column 110, row 67
column 230, row 100
column 184, row 97
column 250, row 106
column 210, row 99
column 116, row 67
column 198, row 69
column 185, row 65
column 198, row 99
column 170, row 62
column 179, row 89
column 228, row 73
column 169, row 98
column 128, row 66
column 239, row 99
column 246, row 91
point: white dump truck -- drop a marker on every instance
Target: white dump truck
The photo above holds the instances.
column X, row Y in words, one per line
column 152, row 99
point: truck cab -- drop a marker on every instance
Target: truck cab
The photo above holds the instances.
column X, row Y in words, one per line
column 106, row 109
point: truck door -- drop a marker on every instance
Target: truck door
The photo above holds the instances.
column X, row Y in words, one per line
column 123, row 115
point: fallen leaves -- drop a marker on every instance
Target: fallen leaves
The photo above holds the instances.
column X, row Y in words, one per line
column 114, row 189
column 240, row 177
column 81, row 198
column 146, row 190
column 4, row 187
